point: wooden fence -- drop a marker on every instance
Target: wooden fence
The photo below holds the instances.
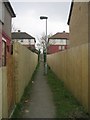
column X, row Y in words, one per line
column 0, row 92
column 71, row 66
column 10, row 84
column 25, row 63
column 16, row 76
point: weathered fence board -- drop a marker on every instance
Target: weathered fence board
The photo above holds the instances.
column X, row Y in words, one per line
column 71, row 66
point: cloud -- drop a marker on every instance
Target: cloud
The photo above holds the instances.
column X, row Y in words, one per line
column 43, row 1
column 28, row 17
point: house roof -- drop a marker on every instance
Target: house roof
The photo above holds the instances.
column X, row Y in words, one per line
column 21, row 35
column 59, row 35
column 72, row 3
column 9, row 8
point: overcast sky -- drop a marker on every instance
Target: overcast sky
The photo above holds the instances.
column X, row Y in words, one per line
column 28, row 17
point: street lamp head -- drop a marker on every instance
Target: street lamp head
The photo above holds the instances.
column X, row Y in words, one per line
column 43, row 17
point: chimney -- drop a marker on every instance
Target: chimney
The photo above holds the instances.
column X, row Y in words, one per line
column 19, row 31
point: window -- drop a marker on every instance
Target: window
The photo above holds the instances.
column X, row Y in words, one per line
column 68, row 42
column 57, row 41
column 3, row 53
column 63, row 42
column 63, row 47
column 59, row 47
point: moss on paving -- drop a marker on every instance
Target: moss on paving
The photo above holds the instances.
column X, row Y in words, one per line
column 26, row 96
column 66, row 105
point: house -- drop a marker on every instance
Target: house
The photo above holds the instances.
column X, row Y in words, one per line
column 78, row 22
column 6, row 15
column 58, row 42
column 25, row 39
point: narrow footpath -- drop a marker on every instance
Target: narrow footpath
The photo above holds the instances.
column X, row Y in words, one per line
column 41, row 105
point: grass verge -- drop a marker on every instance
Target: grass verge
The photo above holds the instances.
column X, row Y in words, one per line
column 66, row 105
column 26, row 97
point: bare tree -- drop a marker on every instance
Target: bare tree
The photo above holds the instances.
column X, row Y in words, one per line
column 42, row 40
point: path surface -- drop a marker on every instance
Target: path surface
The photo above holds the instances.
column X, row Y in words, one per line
column 41, row 105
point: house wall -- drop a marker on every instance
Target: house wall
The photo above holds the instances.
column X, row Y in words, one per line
column 56, row 45
column 0, row 45
column 7, row 21
column 57, row 41
column 1, row 11
column 25, row 41
column 55, row 48
column 79, row 24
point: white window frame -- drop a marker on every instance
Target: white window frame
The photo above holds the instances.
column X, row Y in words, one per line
column 60, row 47
column 57, row 42
column 63, row 47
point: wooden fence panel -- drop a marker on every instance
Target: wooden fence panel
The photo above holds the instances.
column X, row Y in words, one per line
column 10, row 84
column 71, row 66
column 25, row 63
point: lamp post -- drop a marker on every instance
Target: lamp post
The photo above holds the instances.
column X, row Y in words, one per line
column 45, row 52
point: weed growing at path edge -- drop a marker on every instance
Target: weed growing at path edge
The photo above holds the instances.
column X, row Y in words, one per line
column 25, row 98
column 66, row 105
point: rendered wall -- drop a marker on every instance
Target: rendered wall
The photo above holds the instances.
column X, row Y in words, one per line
column 79, row 24
column 7, row 21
